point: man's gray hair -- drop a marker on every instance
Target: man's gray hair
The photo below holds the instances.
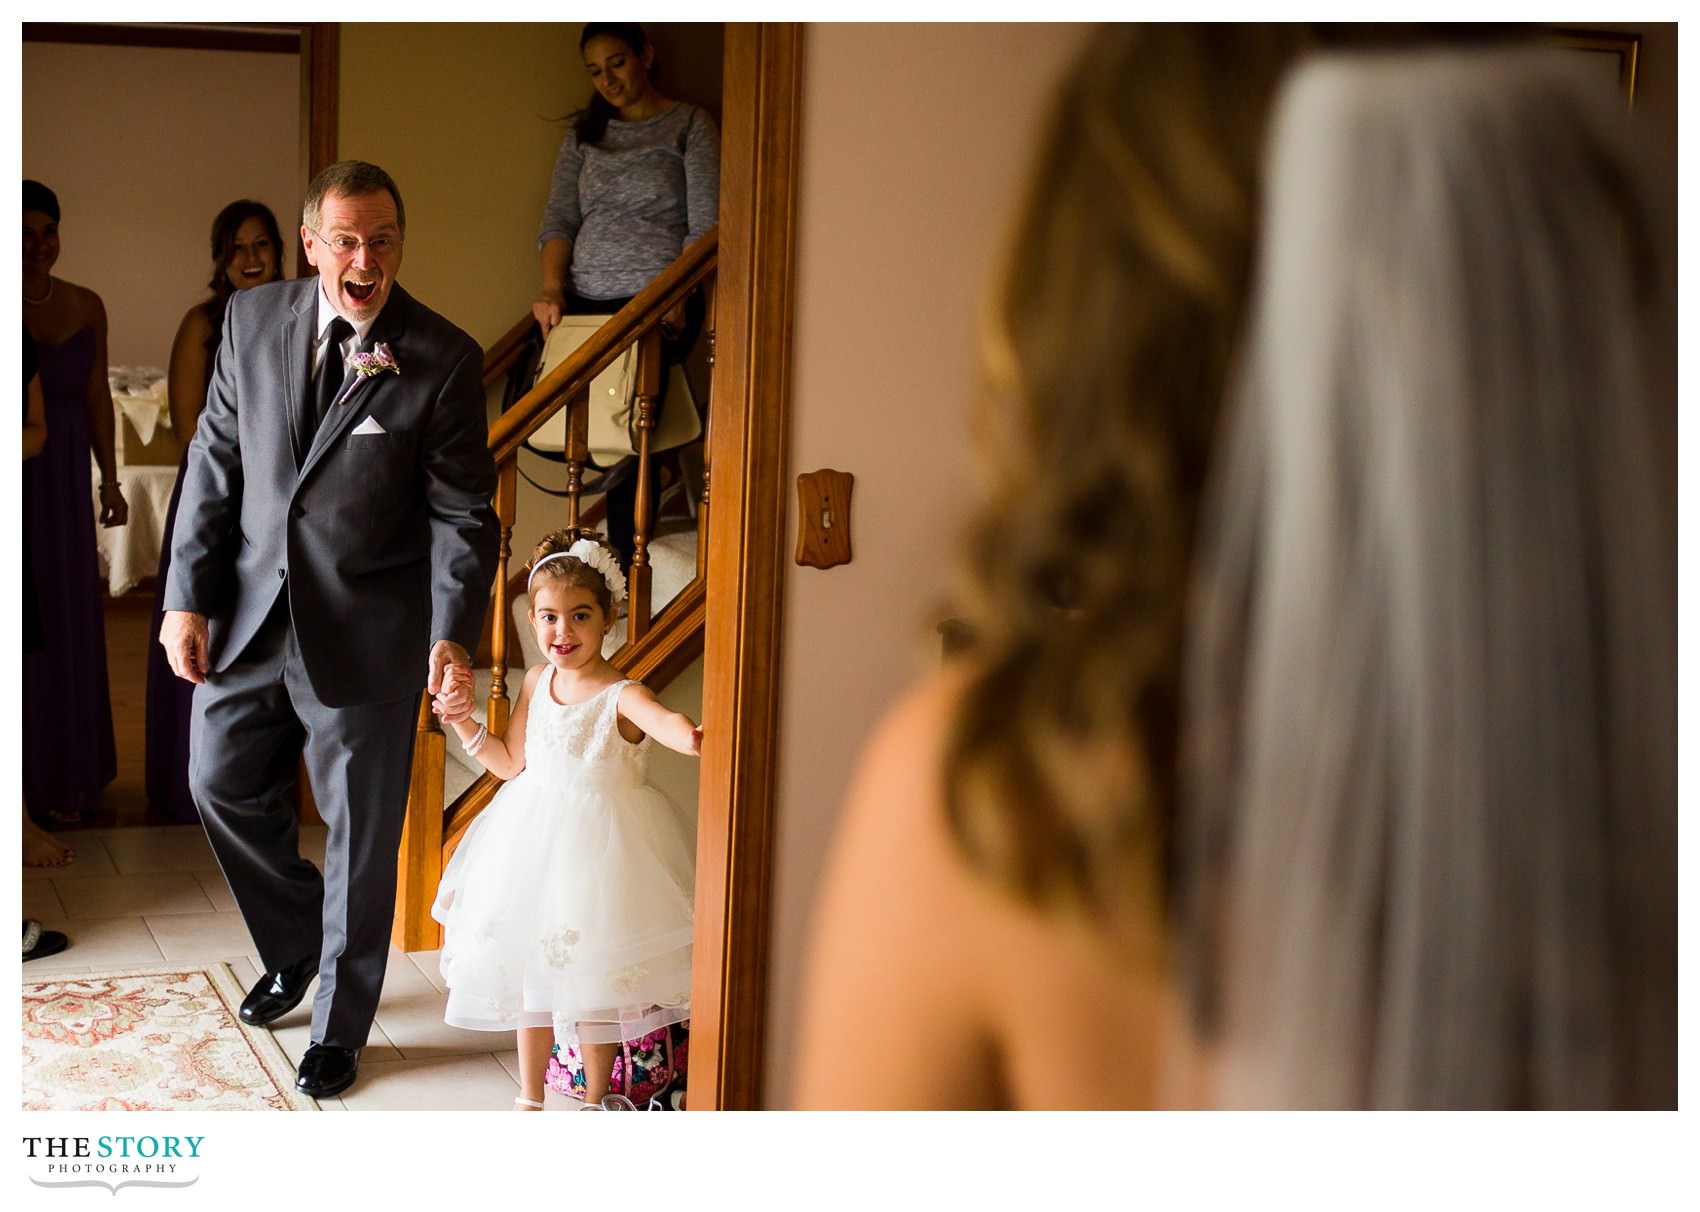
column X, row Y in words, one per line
column 351, row 179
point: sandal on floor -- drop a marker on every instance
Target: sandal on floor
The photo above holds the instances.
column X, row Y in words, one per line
column 63, row 816
column 39, row 942
column 530, row 1104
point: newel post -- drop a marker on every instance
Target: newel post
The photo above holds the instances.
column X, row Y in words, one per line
column 419, row 864
column 497, row 705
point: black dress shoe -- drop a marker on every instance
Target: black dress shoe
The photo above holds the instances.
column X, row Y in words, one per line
column 277, row 993
column 327, row 1070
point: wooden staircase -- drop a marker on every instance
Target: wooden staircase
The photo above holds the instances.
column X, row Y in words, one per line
column 659, row 645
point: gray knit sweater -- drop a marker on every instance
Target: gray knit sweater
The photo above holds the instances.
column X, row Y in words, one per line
column 631, row 203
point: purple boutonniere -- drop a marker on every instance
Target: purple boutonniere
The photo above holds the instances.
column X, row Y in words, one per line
column 375, row 362
column 368, row 364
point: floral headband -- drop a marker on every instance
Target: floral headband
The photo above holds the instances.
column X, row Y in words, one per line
column 593, row 555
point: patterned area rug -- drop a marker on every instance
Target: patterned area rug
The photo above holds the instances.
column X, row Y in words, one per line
column 163, row 1039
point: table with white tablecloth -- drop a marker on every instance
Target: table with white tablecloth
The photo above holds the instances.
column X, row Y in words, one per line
column 131, row 551
column 147, row 468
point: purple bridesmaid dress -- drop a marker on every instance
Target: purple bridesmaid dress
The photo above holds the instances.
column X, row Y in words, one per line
column 68, row 751
column 169, row 700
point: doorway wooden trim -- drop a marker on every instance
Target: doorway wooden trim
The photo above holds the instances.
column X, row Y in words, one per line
column 321, row 58
column 741, row 650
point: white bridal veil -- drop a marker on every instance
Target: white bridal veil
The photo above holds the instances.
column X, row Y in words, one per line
column 1434, row 677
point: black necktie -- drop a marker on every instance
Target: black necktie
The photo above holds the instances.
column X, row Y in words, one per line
column 329, row 379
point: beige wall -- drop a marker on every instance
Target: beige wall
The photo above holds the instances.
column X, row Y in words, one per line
column 915, row 140
column 144, row 145
column 675, row 773
column 468, row 132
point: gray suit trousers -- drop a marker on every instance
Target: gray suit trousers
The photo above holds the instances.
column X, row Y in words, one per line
column 248, row 724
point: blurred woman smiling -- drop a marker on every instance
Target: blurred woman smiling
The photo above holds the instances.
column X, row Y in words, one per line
column 247, row 251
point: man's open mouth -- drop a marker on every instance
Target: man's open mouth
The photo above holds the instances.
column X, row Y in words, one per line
column 360, row 291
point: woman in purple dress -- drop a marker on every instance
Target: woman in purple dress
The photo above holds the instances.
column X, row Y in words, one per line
column 68, row 752
column 247, row 250
column 41, row 848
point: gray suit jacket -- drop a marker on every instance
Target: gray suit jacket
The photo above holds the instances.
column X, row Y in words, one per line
column 386, row 541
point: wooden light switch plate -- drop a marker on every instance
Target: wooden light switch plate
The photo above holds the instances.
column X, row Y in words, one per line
column 823, row 517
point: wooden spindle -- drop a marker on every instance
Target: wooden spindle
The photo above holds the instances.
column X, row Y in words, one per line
column 707, row 430
column 506, row 502
column 577, row 450
column 708, row 315
column 648, row 387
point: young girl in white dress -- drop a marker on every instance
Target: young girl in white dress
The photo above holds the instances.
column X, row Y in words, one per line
column 568, row 904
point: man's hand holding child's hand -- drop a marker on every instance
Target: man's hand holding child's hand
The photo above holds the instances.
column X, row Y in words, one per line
column 454, row 701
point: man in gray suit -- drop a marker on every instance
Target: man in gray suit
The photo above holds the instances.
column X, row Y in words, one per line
column 334, row 549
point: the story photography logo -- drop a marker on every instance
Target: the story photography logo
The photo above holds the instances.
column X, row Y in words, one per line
column 114, row 1162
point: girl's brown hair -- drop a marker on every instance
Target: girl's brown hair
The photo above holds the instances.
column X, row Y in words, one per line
column 570, row 570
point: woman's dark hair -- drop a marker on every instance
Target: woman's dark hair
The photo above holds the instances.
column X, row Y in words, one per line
column 591, row 122
column 224, row 229
column 572, row 570
column 38, row 197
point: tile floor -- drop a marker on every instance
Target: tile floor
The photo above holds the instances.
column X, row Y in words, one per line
column 141, row 896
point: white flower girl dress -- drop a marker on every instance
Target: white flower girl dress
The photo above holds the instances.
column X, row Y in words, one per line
column 570, row 898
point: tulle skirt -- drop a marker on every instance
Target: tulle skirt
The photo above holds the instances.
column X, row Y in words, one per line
column 571, row 904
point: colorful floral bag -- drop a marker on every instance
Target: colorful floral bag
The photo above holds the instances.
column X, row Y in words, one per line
column 649, row 1070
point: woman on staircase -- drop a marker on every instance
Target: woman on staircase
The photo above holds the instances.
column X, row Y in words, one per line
column 637, row 180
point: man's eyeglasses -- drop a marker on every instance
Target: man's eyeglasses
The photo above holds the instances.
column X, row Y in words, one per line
column 347, row 246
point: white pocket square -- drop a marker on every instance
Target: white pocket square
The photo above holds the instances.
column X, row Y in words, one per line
column 369, row 425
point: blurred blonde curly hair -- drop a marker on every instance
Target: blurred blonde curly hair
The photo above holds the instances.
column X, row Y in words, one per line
column 1108, row 351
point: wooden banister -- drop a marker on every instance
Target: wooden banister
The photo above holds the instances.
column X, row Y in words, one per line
column 499, row 359
column 657, row 649
column 668, row 290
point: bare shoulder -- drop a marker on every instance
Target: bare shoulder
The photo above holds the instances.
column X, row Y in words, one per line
column 195, row 328
column 87, row 304
column 527, row 688
column 887, row 943
column 635, row 694
column 897, row 815
column 974, row 990
column 902, row 908
column 898, row 787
